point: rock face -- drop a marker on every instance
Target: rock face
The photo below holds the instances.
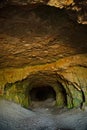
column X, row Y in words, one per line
column 56, row 3
column 76, row 9
column 43, row 56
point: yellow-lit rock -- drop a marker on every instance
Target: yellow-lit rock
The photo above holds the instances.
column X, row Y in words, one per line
column 50, row 52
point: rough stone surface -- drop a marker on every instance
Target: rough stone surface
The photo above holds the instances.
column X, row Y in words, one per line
column 42, row 47
column 76, row 9
column 56, row 3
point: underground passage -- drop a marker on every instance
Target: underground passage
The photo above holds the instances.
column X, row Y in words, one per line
column 42, row 93
column 47, row 95
column 43, row 64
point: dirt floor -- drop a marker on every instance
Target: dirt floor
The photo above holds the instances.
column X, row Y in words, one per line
column 14, row 117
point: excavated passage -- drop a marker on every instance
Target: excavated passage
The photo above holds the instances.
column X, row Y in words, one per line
column 36, row 45
column 42, row 93
column 43, row 96
column 42, row 65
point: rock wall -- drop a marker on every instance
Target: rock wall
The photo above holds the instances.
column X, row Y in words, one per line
column 76, row 9
column 72, row 75
column 39, row 48
column 56, row 3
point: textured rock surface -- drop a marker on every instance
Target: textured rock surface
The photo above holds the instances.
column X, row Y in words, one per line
column 42, row 47
column 56, row 3
column 76, row 9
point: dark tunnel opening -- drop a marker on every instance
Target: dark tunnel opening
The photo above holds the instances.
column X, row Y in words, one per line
column 42, row 93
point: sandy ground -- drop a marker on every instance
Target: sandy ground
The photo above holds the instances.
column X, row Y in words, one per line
column 14, row 117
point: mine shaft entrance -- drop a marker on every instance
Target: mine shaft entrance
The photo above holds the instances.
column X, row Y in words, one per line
column 42, row 96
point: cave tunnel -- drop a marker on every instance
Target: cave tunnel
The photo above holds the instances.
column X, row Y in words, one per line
column 48, row 96
column 42, row 93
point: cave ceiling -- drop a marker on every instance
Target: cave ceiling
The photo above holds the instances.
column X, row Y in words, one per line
column 76, row 9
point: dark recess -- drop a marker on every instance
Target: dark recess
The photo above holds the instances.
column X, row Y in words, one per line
column 42, row 93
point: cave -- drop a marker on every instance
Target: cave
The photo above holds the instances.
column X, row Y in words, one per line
column 47, row 95
column 43, row 64
column 38, row 42
column 42, row 93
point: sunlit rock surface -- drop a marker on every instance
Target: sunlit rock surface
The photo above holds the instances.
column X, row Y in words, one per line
column 42, row 48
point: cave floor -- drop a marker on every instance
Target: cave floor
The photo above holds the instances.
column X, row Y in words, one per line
column 37, row 36
column 15, row 117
